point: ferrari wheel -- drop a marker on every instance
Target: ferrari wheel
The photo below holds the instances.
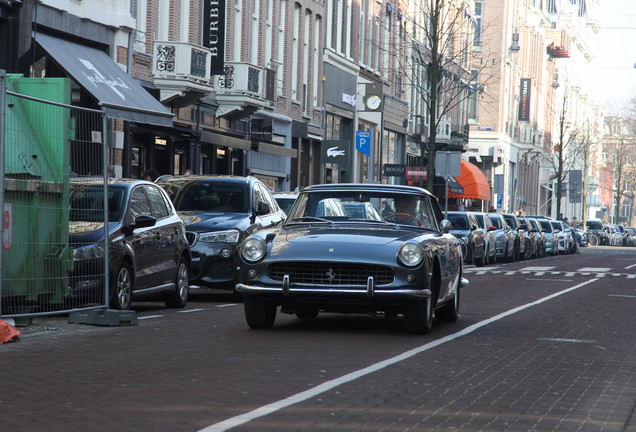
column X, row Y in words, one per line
column 258, row 313
column 418, row 316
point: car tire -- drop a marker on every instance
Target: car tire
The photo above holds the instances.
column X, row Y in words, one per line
column 258, row 313
column 479, row 262
column 450, row 311
column 179, row 297
column 510, row 257
column 122, row 284
column 418, row 316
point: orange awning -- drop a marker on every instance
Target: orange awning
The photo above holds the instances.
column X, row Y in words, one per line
column 473, row 181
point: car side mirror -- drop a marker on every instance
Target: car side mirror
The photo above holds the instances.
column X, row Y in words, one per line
column 446, row 226
column 262, row 208
column 144, row 221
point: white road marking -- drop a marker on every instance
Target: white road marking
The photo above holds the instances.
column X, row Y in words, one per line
column 539, row 268
column 190, row 310
column 226, row 305
column 329, row 385
column 150, row 316
column 595, row 269
column 628, row 267
column 620, row 295
column 549, row 280
column 567, row 340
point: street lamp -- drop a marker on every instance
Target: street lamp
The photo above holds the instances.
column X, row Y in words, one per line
column 555, row 81
column 514, row 47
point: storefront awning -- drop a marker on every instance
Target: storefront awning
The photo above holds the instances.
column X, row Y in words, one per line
column 119, row 95
column 473, row 181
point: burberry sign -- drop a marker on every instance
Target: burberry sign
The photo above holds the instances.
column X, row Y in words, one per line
column 214, row 33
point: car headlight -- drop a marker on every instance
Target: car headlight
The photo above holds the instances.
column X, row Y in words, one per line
column 230, row 236
column 411, row 254
column 253, row 249
column 90, row 252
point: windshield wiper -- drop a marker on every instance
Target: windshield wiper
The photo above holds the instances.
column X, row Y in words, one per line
column 311, row 219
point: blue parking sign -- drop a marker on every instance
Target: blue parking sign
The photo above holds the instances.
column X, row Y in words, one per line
column 364, row 140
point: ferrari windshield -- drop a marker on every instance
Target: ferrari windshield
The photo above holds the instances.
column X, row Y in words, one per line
column 366, row 206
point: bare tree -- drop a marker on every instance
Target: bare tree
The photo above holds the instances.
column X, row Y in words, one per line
column 620, row 147
column 567, row 147
column 438, row 67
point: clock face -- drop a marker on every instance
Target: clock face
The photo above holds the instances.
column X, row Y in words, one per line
column 373, row 102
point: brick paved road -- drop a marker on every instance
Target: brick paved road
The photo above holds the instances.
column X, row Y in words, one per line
column 565, row 364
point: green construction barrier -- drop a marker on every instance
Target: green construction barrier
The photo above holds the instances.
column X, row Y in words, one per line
column 37, row 160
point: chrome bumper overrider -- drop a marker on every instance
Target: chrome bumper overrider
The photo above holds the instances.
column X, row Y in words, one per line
column 370, row 292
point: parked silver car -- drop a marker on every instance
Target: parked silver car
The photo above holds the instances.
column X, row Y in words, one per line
column 489, row 235
column 504, row 238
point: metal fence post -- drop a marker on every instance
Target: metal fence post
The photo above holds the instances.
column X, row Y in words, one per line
column 3, row 103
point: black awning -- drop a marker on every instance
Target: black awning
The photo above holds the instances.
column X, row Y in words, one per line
column 453, row 186
column 119, row 95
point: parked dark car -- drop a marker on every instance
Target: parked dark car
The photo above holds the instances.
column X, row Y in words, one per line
column 285, row 200
column 520, row 234
column 148, row 251
column 551, row 241
column 597, row 235
column 535, row 237
column 219, row 213
column 407, row 264
column 504, row 238
column 581, row 237
column 466, row 228
column 483, row 219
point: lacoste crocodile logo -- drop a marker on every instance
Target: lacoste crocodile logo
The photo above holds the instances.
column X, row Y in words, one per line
column 334, row 152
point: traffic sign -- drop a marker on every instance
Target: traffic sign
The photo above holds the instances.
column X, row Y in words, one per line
column 364, row 140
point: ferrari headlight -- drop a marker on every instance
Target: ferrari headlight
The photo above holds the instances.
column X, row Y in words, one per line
column 411, row 254
column 90, row 252
column 253, row 249
column 230, row 236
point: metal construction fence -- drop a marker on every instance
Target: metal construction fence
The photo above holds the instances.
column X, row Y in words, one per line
column 45, row 145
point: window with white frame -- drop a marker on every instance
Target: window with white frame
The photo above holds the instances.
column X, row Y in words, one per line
column 238, row 29
column 256, row 35
column 280, row 72
column 316, row 58
column 473, row 99
column 306, row 33
column 295, row 51
column 479, row 13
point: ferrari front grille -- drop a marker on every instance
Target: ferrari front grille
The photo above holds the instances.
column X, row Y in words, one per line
column 326, row 273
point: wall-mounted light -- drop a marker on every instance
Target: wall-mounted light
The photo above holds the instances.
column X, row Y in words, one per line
column 555, row 81
column 514, row 47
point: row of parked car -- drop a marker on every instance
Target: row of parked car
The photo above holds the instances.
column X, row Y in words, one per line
column 164, row 236
column 366, row 248
column 610, row 234
column 505, row 237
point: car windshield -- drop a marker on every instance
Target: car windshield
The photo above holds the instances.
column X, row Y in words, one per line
column 545, row 225
column 213, row 196
column 556, row 226
column 594, row 225
column 372, row 206
column 459, row 221
column 87, row 203
column 496, row 222
column 510, row 220
column 285, row 202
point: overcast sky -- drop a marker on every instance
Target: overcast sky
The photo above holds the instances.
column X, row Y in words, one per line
column 616, row 51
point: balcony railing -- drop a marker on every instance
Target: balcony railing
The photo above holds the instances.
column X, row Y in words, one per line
column 181, row 60
column 240, row 78
column 241, row 89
